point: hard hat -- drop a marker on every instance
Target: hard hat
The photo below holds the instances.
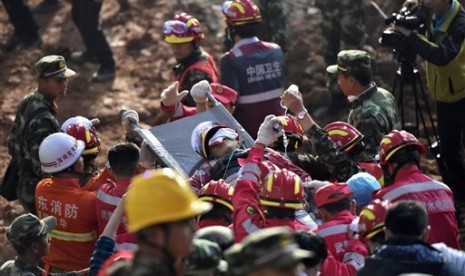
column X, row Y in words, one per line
column 161, row 196
column 240, row 12
column 218, row 192
column 182, row 28
column 76, row 120
column 59, row 151
column 283, row 189
column 221, row 235
column 372, row 217
column 202, row 134
column 293, row 131
column 345, row 135
column 396, row 140
column 88, row 136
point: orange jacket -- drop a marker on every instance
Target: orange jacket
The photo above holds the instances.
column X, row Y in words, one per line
column 94, row 183
column 74, row 236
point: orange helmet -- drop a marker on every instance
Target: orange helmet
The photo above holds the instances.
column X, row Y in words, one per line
column 345, row 135
column 218, row 192
column 283, row 189
column 86, row 134
column 203, row 132
column 182, row 28
column 240, row 12
column 372, row 218
column 394, row 141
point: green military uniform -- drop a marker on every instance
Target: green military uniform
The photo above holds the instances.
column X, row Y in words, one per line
column 373, row 112
column 342, row 27
column 204, row 259
column 35, row 120
column 268, row 248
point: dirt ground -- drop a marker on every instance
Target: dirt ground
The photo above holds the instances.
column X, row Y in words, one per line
column 143, row 67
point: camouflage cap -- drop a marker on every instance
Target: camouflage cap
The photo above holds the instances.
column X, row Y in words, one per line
column 221, row 235
column 271, row 248
column 350, row 61
column 205, row 258
column 53, row 66
column 26, row 228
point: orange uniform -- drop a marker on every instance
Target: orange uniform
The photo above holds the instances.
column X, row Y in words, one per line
column 74, row 237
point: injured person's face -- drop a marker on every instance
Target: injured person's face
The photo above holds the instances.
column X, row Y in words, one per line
column 225, row 147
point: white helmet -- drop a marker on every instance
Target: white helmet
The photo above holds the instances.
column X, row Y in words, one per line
column 75, row 121
column 59, row 151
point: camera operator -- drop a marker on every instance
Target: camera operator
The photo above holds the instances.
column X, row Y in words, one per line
column 443, row 48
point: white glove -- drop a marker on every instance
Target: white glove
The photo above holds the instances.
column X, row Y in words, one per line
column 199, row 91
column 128, row 118
column 267, row 134
column 147, row 157
column 170, row 96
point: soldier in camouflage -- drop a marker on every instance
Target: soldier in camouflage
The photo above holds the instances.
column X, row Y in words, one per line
column 342, row 27
column 373, row 110
column 274, row 26
column 29, row 237
column 35, row 120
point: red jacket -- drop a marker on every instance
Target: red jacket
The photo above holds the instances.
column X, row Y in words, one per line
column 248, row 216
column 334, row 232
column 108, row 196
column 202, row 223
column 411, row 183
column 178, row 111
column 74, row 236
column 332, row 267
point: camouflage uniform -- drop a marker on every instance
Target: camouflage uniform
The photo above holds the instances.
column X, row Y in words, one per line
column 274, row 26
column 342, row 27
column 35, row 120
column 204, row 259
column 373, row 112
column 23, row 231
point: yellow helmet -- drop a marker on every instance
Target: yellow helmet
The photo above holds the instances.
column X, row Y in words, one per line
column 161, row 196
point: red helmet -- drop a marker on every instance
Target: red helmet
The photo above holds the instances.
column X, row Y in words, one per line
column 372, row 218
column 394, row 141
column 86, row 134
column 182, row 28
column 283, row 189
column 240, row 12
column 219, row 192
column 202, row 134
column 345, row 135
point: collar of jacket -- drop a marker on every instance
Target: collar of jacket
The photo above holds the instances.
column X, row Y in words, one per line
column 196, row 55
column 364, row 95
column 51, row 103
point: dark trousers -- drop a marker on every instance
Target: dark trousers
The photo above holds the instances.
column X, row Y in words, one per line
column 21, row 18
column 85, row 15
column 451, row 128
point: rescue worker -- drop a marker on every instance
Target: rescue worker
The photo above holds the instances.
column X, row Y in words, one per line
column 331, row 145
column 270, row 251
column 123, row 159
column 183, row 33
column 171, row 99
column 219, row 194
column 254, row 68
column 61, row 195
column 265, row 195
column 36, row 118
column 83, row 129
column 373, row 110
column 30, row 238
column 371, row 224
column 363, row 185
column 336, row 208
column 399, row 154
column 160, row 206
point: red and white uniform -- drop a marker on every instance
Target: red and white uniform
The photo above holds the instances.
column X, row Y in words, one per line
column 334, row 232
column 108, row 196
column 178, row 111
column 248, row 216
column 411, row 183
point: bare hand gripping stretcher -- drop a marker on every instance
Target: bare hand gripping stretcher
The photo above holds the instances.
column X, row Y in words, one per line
column 171, row 142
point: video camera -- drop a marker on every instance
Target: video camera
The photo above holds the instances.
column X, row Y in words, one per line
column 412, row 18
